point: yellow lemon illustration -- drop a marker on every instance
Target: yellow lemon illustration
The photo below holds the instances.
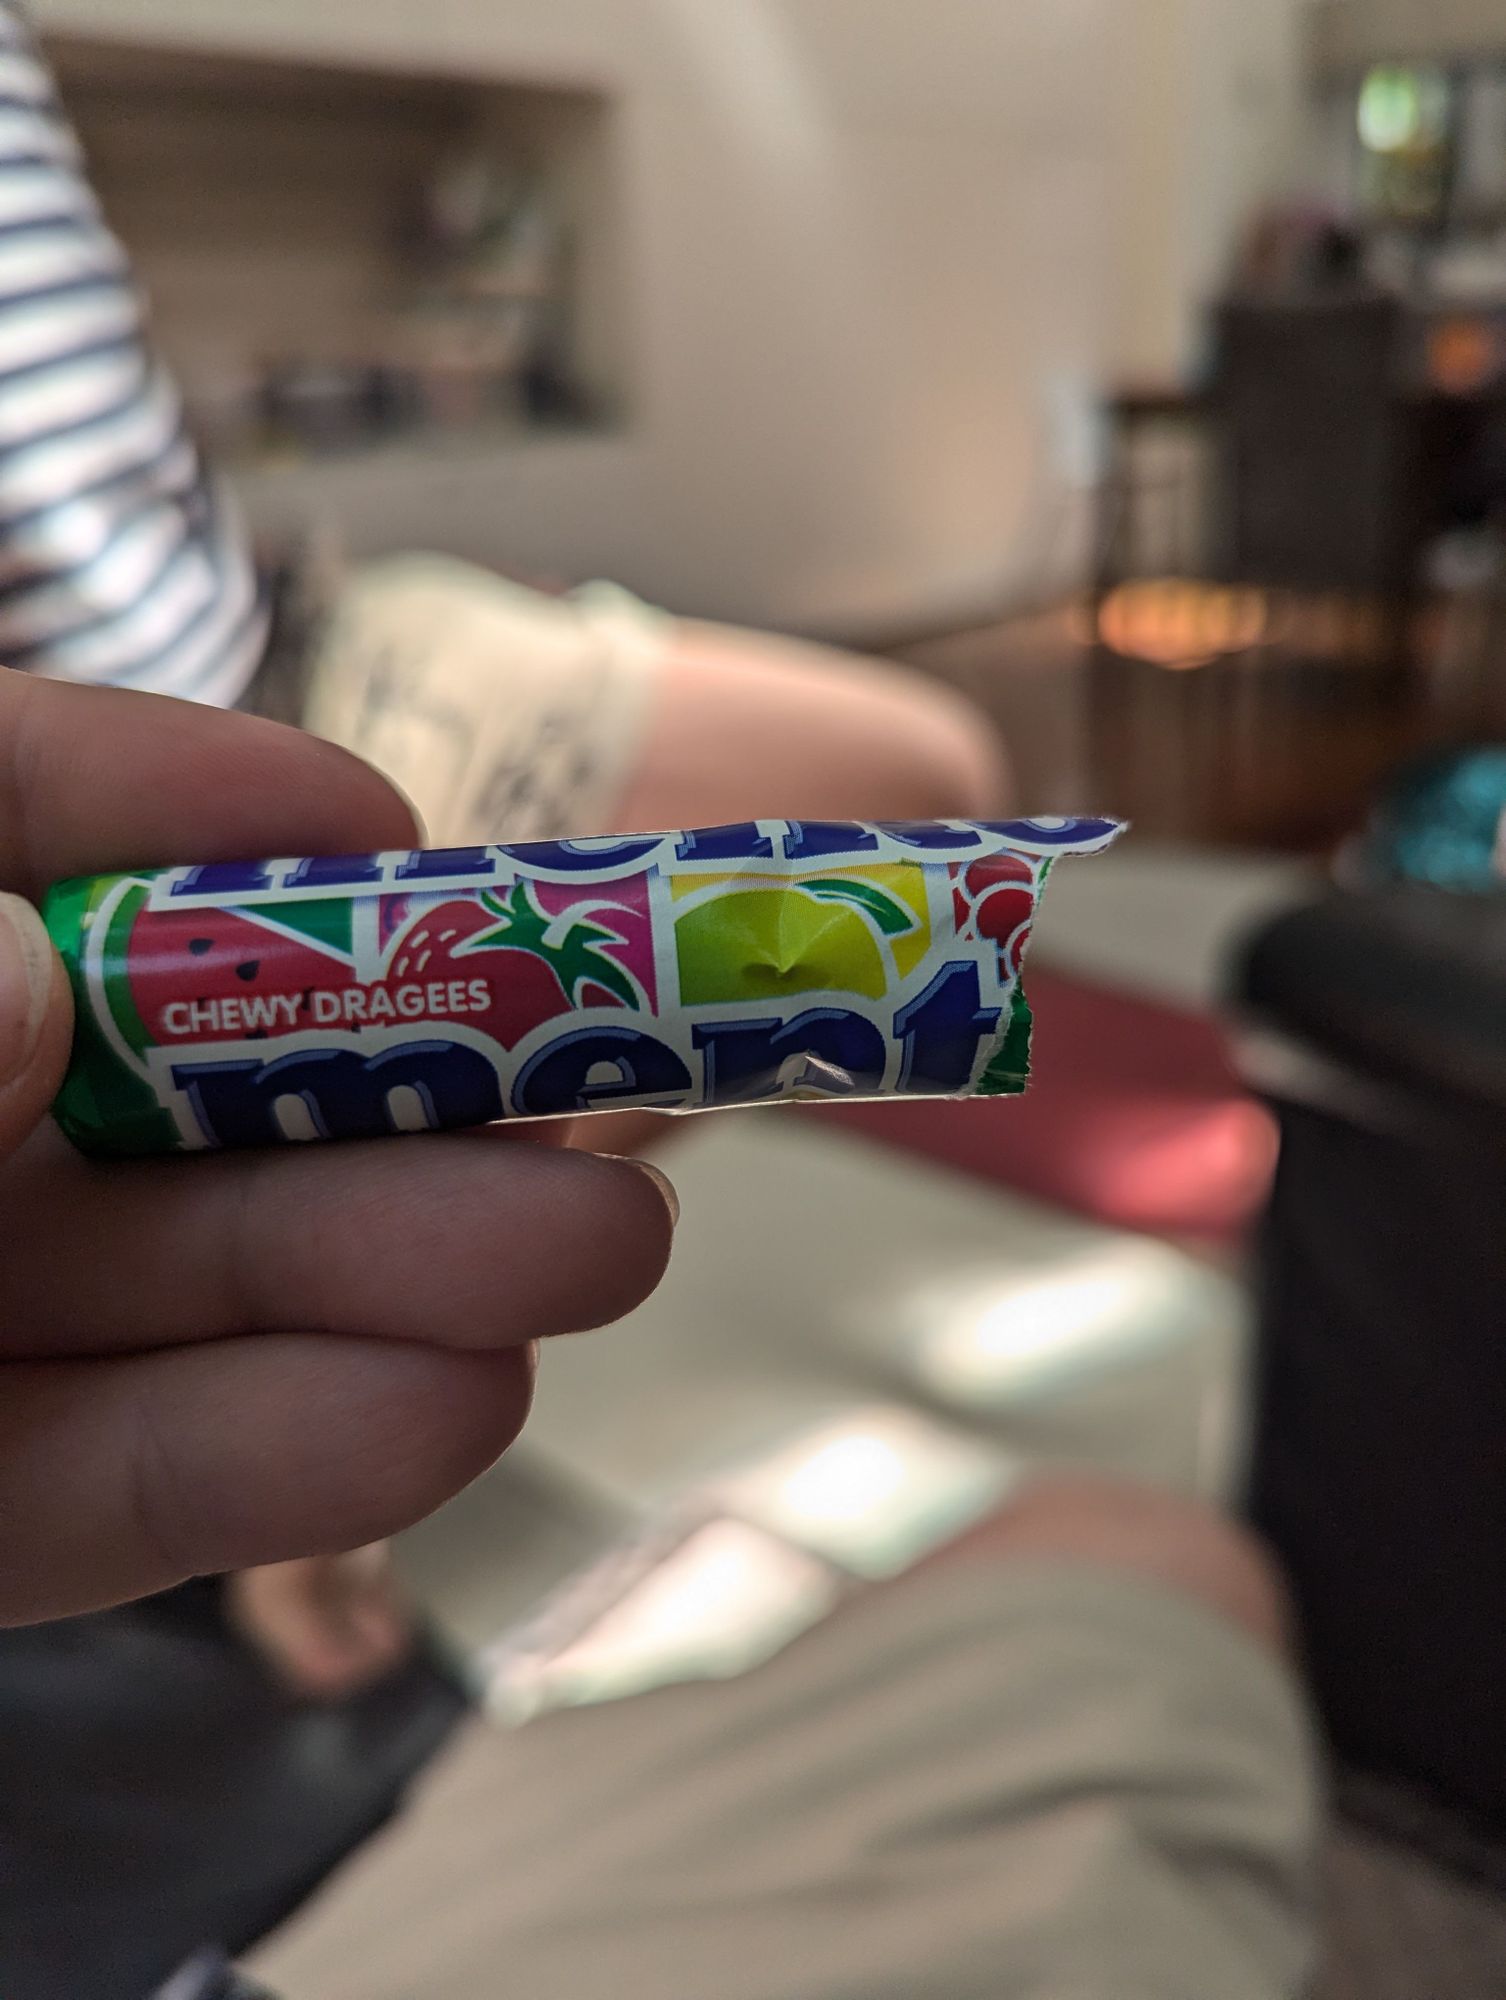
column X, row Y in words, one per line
column 762, row 944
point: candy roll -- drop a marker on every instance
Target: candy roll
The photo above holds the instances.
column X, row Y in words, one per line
column 266, row 1003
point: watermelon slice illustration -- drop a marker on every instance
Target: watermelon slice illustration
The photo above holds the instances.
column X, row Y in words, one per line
column 213, row 955
column 274, row 962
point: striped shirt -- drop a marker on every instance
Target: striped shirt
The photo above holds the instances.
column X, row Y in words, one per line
column 121, row 560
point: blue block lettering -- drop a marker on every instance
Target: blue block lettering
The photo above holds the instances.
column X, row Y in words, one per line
column 559, row 1079
column 573, row 857
column 743, row 842
column 1062, row 833
column 814, row 840
column 843, row 1054
column 350, row 871
column 926, row 837
column 440, row 864
column 348, row 1095
column 227, row 879
column 942, row 1031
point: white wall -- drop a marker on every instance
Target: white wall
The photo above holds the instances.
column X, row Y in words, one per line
column 875, row 248
column 1218, row 122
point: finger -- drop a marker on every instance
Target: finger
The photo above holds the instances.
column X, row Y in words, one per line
column 122, row 1478
column 36, row 1021
column 454, row 1241
column 98, row 778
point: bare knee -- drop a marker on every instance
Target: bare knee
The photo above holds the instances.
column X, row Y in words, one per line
column 747, row 726
column 1177, row 1543
column 960, row 762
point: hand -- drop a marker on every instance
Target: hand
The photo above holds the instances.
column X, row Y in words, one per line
column 211, row 1364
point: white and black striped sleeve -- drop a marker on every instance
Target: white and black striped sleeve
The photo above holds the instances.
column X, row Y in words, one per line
column 121, row 560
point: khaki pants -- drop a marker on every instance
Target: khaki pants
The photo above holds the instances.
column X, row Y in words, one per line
column 502, row 714
column 1037, row 1779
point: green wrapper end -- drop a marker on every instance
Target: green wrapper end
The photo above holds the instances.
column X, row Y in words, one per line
column 104, row 1107
column 1008, row 1074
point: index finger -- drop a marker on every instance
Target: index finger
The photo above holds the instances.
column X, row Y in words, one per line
column 95, row 779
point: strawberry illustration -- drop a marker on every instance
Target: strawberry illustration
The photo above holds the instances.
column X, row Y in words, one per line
column 538, row 966
column 501, row 961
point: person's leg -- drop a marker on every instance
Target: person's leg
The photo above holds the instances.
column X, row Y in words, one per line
column 508, row 715
column 1141, row 1532
column 1066, row 1761
column 744, row 726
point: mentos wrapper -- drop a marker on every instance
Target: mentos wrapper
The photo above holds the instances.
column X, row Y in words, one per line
column 257, row 1003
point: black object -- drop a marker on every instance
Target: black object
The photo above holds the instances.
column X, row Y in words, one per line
column 158, row 1789
column 1315, row 476
column 1379, row 1452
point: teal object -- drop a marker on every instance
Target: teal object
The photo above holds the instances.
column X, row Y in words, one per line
column 1444, row 824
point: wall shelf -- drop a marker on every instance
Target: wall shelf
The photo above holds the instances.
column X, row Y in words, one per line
column 298, row 228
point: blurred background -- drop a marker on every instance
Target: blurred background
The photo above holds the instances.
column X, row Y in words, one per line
column 1138, row 369
column 879, row 327
column 846, row 282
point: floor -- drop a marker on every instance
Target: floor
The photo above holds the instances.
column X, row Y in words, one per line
column 856, row 1352
column 824, row 1290
column 1400, row 1928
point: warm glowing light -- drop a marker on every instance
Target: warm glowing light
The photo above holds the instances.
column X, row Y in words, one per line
column 872, row 1491
column 1463, row 356
column 1040, row 1322
column 721, row 1569
column 1022, row 1337
column 728, row 1598
column 844, row 1480
column 1179, row 623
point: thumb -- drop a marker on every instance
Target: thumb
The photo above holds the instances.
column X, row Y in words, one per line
column 36, row 1021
